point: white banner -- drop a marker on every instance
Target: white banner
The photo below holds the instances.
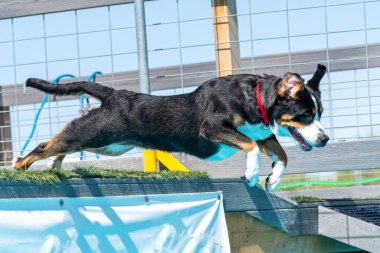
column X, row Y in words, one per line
column 178, row 223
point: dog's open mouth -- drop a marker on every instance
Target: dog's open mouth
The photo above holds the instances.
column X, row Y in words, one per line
column 302, row 143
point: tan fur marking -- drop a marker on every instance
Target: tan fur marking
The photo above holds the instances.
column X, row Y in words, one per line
column 271, row 146
column 48, row 148
column 247, row 147
column 25, row 163
column 287, row 117
column 238, row 120
column 53, row 142
column 290, row 86
column 292, row 124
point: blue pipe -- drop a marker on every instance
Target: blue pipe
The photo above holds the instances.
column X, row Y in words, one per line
column 91, row 78
column 44, row 100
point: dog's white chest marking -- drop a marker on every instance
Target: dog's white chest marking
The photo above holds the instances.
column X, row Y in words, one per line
column 254, row 131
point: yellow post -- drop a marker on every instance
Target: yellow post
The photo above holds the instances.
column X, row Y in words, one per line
column 170, row 161
column 150, row 160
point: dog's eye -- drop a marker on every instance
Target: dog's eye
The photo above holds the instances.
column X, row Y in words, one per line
column 305, row 118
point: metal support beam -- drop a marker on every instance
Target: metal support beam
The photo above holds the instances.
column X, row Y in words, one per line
column 150, row 156
column 226, row 37
column 5, row 136
column 142, row 48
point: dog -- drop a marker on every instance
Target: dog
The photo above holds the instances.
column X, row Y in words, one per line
column 225, row 114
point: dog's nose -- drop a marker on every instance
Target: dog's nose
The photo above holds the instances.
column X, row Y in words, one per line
column 324, row 140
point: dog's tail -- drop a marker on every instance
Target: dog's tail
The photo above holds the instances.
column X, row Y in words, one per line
column 76, row 88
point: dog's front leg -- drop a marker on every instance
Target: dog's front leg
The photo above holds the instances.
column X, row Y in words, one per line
column 273, row 149
column 216, row 131
column 252, row 172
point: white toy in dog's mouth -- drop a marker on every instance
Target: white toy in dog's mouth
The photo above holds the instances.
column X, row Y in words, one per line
column 302, row 143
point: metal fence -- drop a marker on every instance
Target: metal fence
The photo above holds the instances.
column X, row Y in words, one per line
column 274, row 37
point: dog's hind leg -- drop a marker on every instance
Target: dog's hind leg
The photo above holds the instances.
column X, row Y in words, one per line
column 218, row 132
column 55, row 162
column 55, row 147
column 273, row 149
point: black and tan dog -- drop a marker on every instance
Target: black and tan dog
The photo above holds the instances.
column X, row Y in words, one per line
column 223, row 115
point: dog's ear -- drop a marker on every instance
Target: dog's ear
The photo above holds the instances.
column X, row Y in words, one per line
column 317, row 77
column 290, row 85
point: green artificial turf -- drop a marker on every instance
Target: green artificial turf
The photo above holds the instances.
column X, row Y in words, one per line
column 311, row 199
column 57, row 175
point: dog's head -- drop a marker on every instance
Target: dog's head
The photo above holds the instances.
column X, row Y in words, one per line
column 300, row 109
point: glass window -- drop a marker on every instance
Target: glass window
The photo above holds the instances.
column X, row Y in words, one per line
column 245, row 49
column 162, row 36
column 167, row 10
column 308, row 49
column 194, row 9
column 342, row 76
column 345, row 39
column 307, row 43
column 372, row 14
column 163, row 58
column 58, row 68
column 296, row 4
column 60, row 23
column 276, row 70
column 6, row 52
column 334, row 2
column 122, row 16
column 242, row 7
column 308, row 68
column 307, row 21
column 94, row 44
column 374, row 70
column 88, row 66
column 343, row 90
column 30, row 51
column 345, row 17
column 6, row 30
column 244, row 27
column 198, row 54
column 361, row 74
column 60, row 48
column 269, row 25
column 197, row 33
column 32, row 70
column 7, row 75
column 270, row 47
column 267, row 5
column 375, row 90
column 373, row 39
column 94, row 19
column 125, row 62
column 28, row 27
column 124, row 41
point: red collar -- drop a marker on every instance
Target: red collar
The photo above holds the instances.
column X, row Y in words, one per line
column 261, row 106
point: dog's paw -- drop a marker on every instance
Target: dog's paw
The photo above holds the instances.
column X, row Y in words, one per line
column 252, row 176
column 274, row 178
column 272, row 182
column 15, row 160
